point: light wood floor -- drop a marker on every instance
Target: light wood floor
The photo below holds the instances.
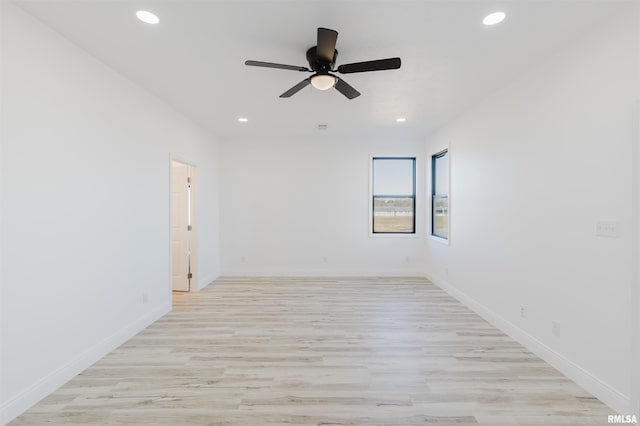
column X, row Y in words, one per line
column 285, row 351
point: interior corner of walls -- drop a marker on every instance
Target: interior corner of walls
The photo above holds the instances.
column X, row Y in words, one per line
column 207, row 281
column 23, row 401
column 610, row 396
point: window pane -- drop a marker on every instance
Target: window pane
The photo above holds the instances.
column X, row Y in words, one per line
column 393, row 176
column 393, row 214
column 441, row 174
column 440, row 195
column 441, row 216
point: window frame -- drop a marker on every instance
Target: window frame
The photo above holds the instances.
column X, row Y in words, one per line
column 433, row 195
column 372, row 196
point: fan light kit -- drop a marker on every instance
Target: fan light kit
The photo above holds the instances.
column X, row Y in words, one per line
column 322, row 59
column 147, row 17
column 323, row 81
column 494, row 18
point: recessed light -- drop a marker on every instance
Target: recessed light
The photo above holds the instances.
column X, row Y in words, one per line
column 147, row 17
column 401, row 119
column 494, row 18
column 243, row 119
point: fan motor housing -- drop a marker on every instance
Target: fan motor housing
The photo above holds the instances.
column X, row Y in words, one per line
column 317, row 65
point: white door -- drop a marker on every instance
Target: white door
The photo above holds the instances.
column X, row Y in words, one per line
column 180, row 226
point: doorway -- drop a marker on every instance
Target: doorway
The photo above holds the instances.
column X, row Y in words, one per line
column 183, row 235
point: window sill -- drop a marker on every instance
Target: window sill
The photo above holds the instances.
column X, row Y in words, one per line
column 391, row 235
column 440, row 240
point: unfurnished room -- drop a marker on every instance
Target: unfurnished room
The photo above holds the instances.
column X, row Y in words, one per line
column 278, row 212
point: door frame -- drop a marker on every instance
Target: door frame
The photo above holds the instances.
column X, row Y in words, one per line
column 635, row 255
column 194, row 284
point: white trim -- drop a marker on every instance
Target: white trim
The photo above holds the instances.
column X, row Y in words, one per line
column 194, row 256
column 440, row 240
column 429, row 196
column 601, row 390
column 180, row 159
column 194, row 284
column 417, row 186
column 206, row 281
column 337, row 272
column 169, row 233
column 635, row 256
column 43, row 387
column 390, row 234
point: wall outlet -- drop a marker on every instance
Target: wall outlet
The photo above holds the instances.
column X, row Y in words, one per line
column 523, row 311
column 446, row 272
column 608, row 228
column 145, row 297
column 555, row 328
column 406, row 259
column 242, row 259
column 324, row 259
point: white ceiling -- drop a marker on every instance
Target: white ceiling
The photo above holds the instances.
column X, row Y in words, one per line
column 194, row 59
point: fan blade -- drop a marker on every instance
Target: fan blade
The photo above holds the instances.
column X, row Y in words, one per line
column 326, row 44
column 272, row 65
column 295, row 89
column 345, row 89
column 378, row 65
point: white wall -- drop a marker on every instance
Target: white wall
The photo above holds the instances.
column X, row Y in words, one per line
column 289, row 204
column 533, row 168
column 85, row 209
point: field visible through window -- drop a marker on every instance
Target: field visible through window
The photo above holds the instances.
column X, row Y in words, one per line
column 393, row 214
column 394, row 195
column 393, row 224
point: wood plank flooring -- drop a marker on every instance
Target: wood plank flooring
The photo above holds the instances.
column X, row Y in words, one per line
column 306, row 351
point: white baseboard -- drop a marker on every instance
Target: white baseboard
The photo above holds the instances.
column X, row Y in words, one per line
column 205, row 282
column 322, row 272
column 28, row 398
column 618, row 402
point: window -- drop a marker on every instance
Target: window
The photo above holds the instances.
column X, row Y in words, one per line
column 440, row 195
column 394, row 195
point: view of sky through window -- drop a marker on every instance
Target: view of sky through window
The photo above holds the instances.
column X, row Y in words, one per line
column 393, row 176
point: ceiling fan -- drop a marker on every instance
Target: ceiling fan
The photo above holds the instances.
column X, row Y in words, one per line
column 322, row 59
